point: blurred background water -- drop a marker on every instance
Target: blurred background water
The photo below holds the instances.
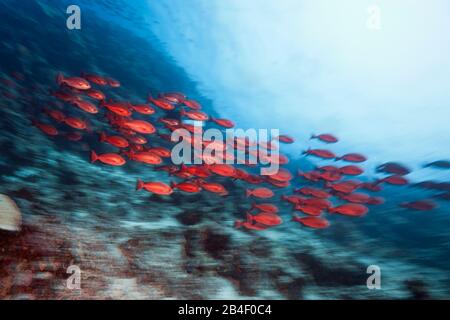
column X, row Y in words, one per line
column 300, row 66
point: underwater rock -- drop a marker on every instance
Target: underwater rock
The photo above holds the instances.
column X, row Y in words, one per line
column 417, row 288
column 10, row 215
column 189, row 218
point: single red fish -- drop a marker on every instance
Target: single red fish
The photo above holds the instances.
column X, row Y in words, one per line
column 188, row 187
column 139, row 126
column 143, row 109
column 320, row 153
column 315, row 192
column 309, row 210
column 213, row 187
column 326, row 137
column 223, row 122
column 311, row 176
column 265, row 218
column 265, row 207
column 355, row 197
column 113, row 83
column 161, row 103
column 160, row 151
column 116, row 141
column 350, row 209
column 96, row 94
column 330, row 176
column 351, row 170
column 98, row 80
column 292, row 199
column 312, row 222
column 145, row 157
column 170, row 122
column 224, row 170
column 112, row 159
column 395, row 180
column 316, row 202
column 375, row 201
column 154, row 187
column 118, row 108
column 56, row 115
column 352, row 157
column 86, row 106
column 345, row 186
column 285, row 139
column 248, row 225
column 278, row 184
column 74, row 136
column 371, row 186
column 75, row 123
column 173, row 97
column 192, row 104
column 419, row 205
column 281, row 175
column 194, row 115
column 73, row 82
column 45, row 128
column 139, row 140
column 263, row 193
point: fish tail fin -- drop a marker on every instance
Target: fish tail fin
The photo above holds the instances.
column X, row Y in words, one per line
column 305, row 152
column 313, row 136
column 139, row 184
column 294, row 217
column 94, row 156
column 331, row 210
column 149, row 97
column 337, row 158
column 182, row 111
column 249, row 217
column 102, row 137
column 248, row 192
column 59, row 78
column 173, row 185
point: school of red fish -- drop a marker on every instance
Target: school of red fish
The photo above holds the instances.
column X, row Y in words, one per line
column 140, row 133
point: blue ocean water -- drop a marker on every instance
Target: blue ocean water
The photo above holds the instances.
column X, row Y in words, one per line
column 132, row 245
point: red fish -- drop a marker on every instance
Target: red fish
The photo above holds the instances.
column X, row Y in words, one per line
column 352, row 157
column 116, row 141
column 112, row 159
column 285, row 139
column 224, row 170
column 154, row 187
column 356, row 197
column 173, row 97
column 98, row 80
column 213, row 187
column 248, row 225
column 262, row 193
column 375, row 201
column 143, row 109
column 161, row 103
column 56, row 115
column 139, row 126
column 320, row 153
column 86, row 106
column 145, row 157
column 75, row 123
column 192, row 104
column 223, row 122
column 194, row 115
column 268, row 219
column 188, row 187
column 315, row 192
column 316, row 202
column 419, row 205
column 395, row 180
column 265, row 207
column 330, row 176
column 74, row 136
column 170, row 122
column 45, row 128
column 312, row 222
column 311, row 176
column 345, row 186
column 73, row 82
column 160, row 151
column 96, row 94
column 350, row 209
column 113, row 83
column 139, row 140
column 351, row 170
column 309, row 210
column 281, row 175
column 326, row 137
column 117, row 107
column 278, row 184
column 371, row 186
column 292, row 199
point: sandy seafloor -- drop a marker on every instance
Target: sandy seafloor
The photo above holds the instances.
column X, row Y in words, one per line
column 133, row 245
